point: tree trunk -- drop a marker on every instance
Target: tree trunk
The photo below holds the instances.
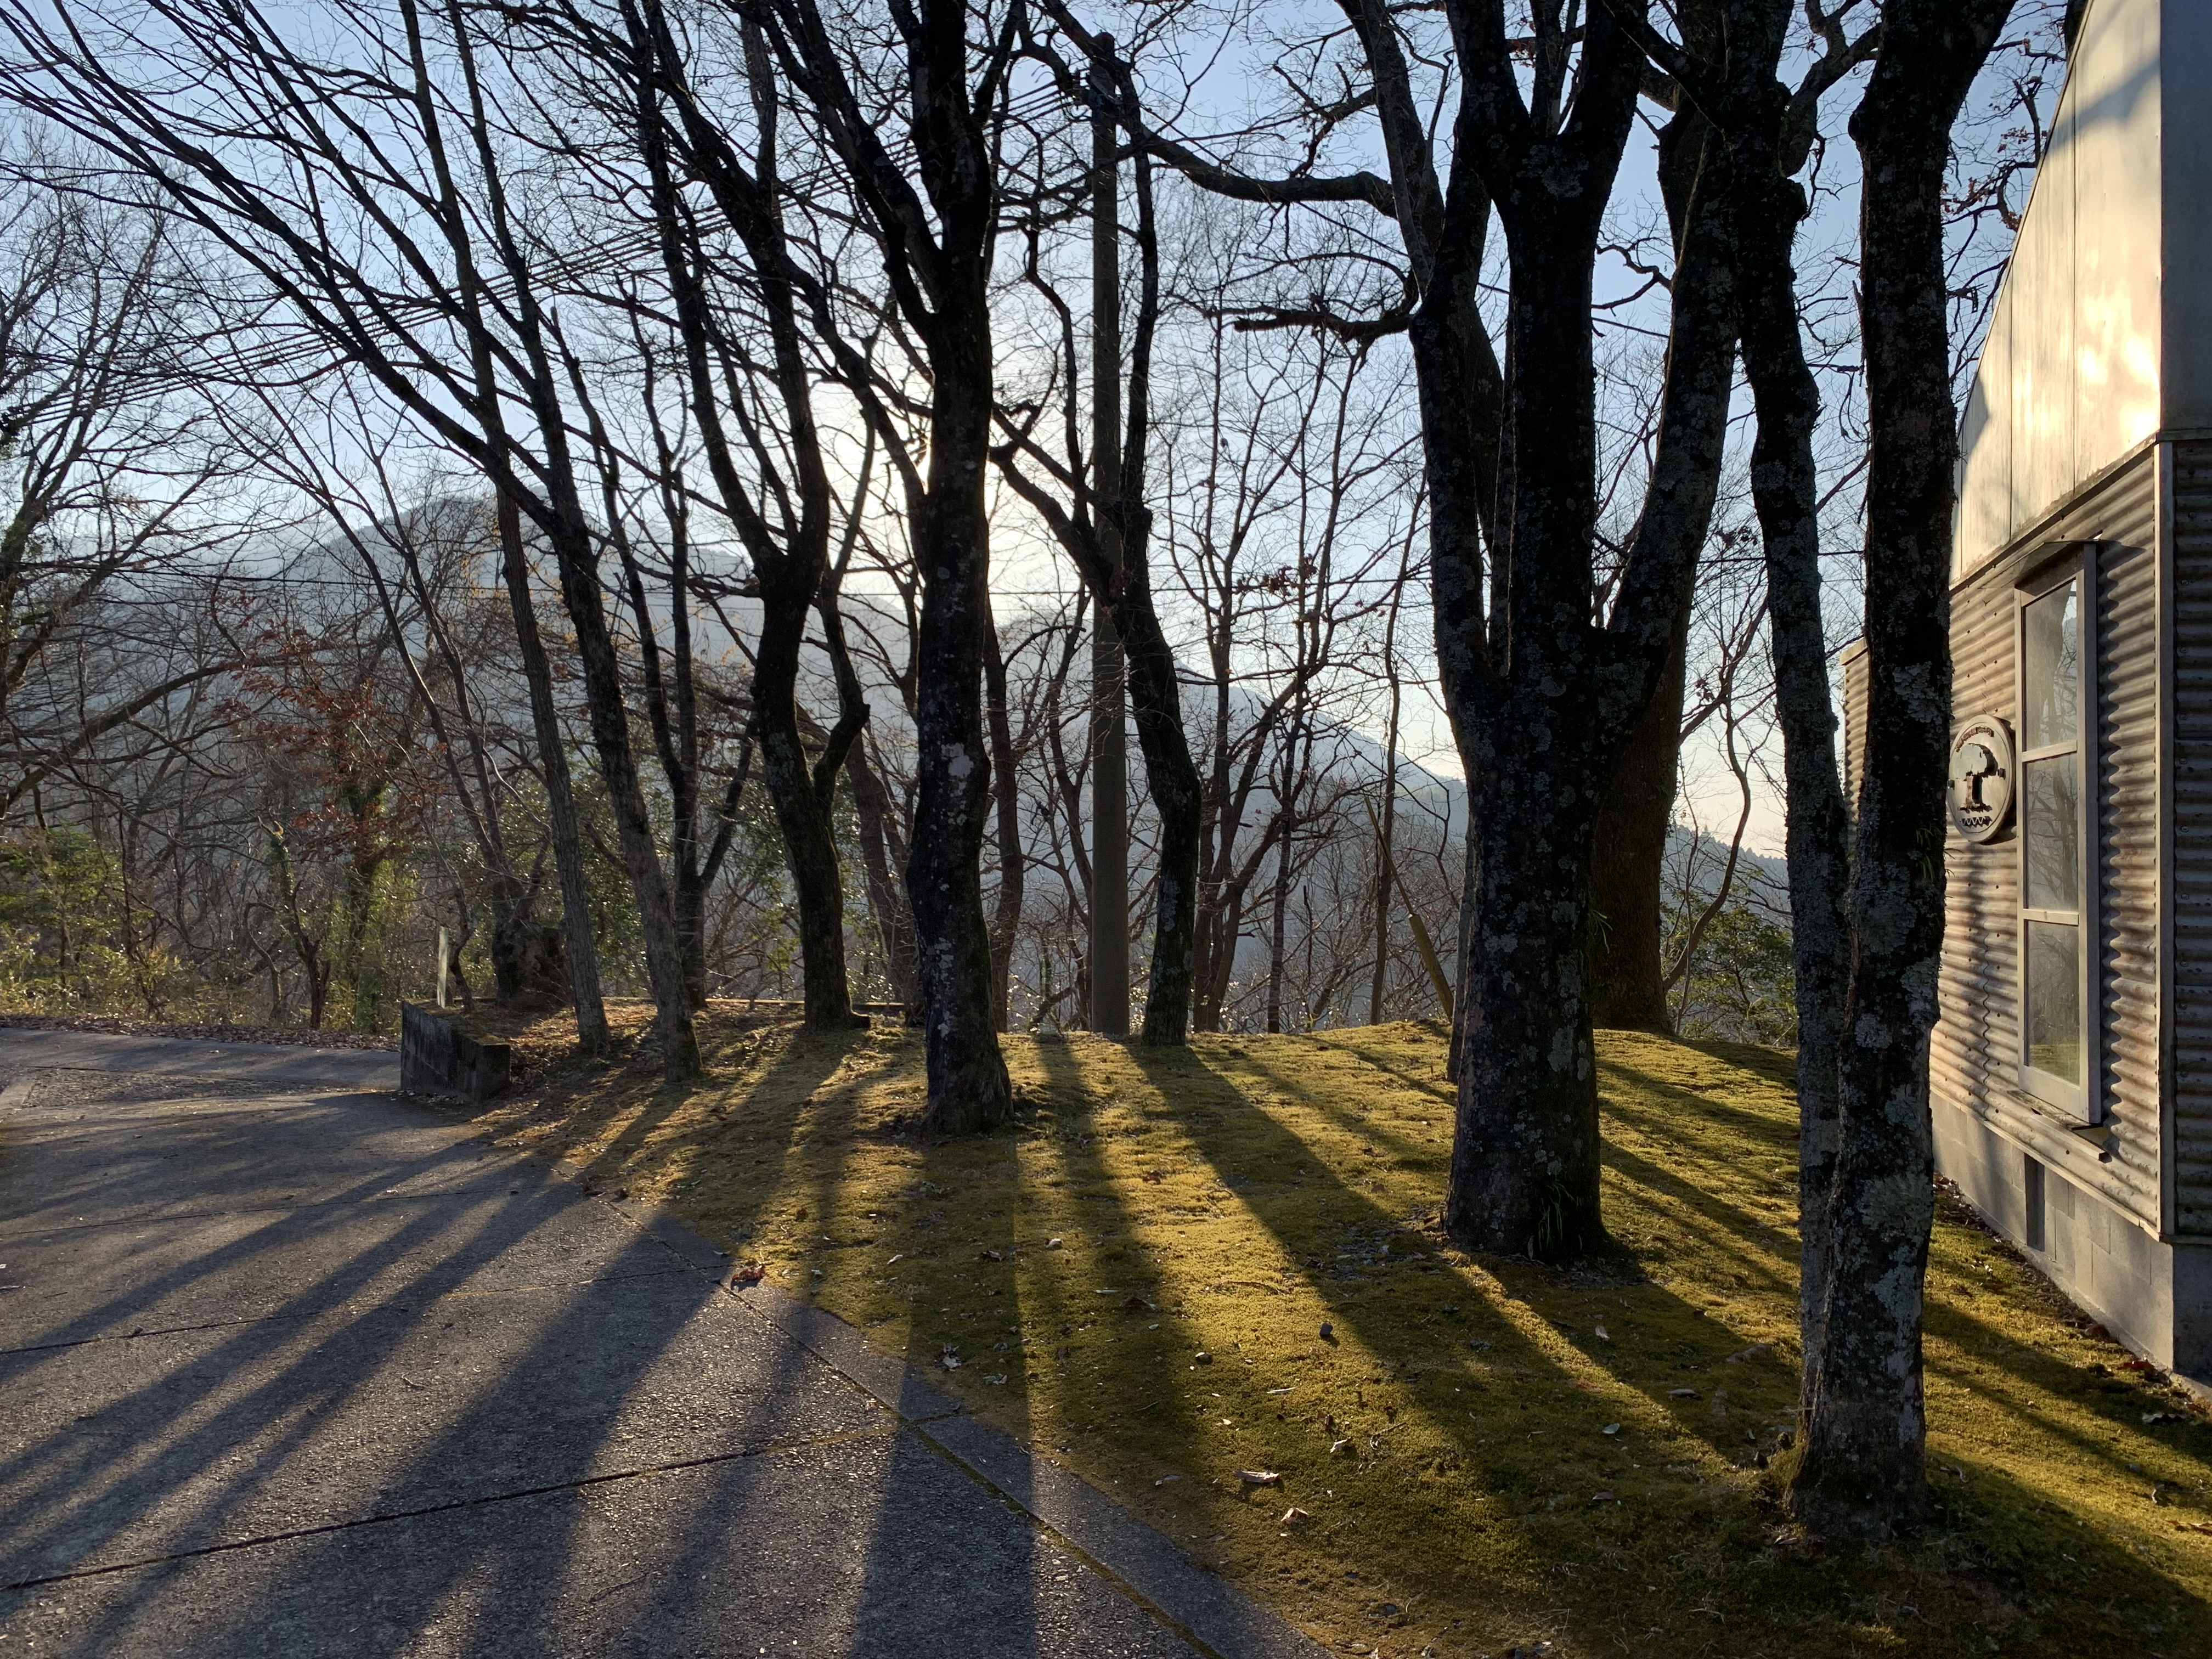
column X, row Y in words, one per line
column 802, row 813
column 880, row 858
column 514, row 902
column 1386, row 825
column 790, row 567
column 1006, row 789
column 560, row 793
column 1538, row 701
column 1278, row 922
column 1524, row 1165
column 1109, row 1012
column 1636, row 811
column 1634, row 816
column 1156, row 700
column 1785, row 493
column 1113, row 560
column 1463, row 953
column 880, row 854
column 1864, row 1470
column 605, row 705
column 967, row 1086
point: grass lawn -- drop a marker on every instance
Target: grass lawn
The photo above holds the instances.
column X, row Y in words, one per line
column 1182, row 1266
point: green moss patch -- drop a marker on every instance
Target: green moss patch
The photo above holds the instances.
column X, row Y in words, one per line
column 1182, row 1267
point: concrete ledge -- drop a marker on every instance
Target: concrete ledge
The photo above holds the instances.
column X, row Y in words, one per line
column 437, row 1057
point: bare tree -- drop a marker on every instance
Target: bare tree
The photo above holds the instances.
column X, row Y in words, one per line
column 932, row 210
column 435, row 292
column 1864, row 1471
column 1541, row 678
column 114, row 475
column 1099, row 514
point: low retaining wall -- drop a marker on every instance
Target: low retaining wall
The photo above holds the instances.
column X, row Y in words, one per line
column 436, row 1057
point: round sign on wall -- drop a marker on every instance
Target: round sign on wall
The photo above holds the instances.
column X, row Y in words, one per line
column 1981, row 788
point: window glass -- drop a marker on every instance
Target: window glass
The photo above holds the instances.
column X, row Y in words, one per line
column 2051, row 673
column 2051, row 825
column 2054, row 998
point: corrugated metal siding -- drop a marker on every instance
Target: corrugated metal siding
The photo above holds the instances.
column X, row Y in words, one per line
column 1970, row 1053
column 1974, row 1056
column 2128, row 847
column 2190, row 785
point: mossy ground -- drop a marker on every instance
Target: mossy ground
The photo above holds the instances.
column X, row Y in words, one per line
column 1527, row 1454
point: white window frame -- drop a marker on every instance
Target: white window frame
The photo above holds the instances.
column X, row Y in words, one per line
column 2084, row 1100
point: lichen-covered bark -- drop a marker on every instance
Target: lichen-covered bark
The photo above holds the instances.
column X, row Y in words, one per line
column 967, row 1085
column 1524, row 1164
column 1785, row 493
column 1864, row 1472
column 1541, row 723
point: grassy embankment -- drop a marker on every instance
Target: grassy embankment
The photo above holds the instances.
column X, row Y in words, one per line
column 1519, row 1454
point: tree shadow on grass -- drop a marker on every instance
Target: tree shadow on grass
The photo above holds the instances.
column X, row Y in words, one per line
column 1510, row 1390
column 1492, row 1455
column 1540, row 1326
column 1138, row 1312
column 2018, row 1379
column 1369, row 1045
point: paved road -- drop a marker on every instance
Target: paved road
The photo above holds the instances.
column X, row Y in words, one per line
column 291, row 1368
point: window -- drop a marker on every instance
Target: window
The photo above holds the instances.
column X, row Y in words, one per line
column 2055, row 946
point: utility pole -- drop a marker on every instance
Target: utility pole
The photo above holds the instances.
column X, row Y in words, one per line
column 1109, row 743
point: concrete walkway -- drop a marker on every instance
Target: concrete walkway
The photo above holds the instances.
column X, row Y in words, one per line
column 290, row 1368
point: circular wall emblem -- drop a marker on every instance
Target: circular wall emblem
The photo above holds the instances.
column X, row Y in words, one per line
column 1982, row 778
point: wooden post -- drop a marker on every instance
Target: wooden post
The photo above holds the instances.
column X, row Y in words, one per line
column 1109, row 758
column 445, row 955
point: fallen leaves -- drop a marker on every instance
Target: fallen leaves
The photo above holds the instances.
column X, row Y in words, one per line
column 1260, row 1477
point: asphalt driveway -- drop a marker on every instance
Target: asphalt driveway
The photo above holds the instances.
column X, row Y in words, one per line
column 290, row 1367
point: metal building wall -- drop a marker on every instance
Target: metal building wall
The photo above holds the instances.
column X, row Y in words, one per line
column 1973, row 1057
column 2073, row 372
column 2189, row 487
